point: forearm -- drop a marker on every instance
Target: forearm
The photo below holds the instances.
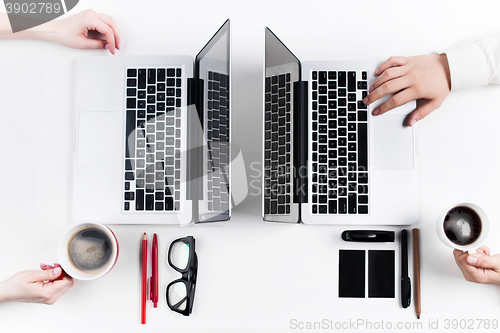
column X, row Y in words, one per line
column 4, row 293
column 475, row 62
column 45, row 31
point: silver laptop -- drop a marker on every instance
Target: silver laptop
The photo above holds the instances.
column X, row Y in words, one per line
column 152, row 137
column 327, row 160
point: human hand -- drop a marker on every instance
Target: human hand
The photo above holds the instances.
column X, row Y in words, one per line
column 73, row 31
column 29, row 286
column 479, row 267
column 425, row 78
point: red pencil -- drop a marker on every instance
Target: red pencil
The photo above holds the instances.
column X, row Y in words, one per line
column 144, row 277
column 154, row 278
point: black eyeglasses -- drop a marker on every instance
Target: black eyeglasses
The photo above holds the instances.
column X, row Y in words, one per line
column 182, row 257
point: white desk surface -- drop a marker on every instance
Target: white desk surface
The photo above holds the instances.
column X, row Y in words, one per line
column 252, row 276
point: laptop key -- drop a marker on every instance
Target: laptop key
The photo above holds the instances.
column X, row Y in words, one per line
column 131, row 72
column 332, row 206
column 362, row 115
column 363, row 177
column 160, row 74
column 129, row 133
column 150, row 201
column 139, row 199
column 342, row 80
column 343, row 205
column 159, row 205
column 131, row 82
column 351, row 81
column 322, row 77
column 131, row 103
column 169, row 203
column 274, row 207
column 362, row 146
column 151, row 76
column 363, row 209
column 352, row 203
column 142, row 78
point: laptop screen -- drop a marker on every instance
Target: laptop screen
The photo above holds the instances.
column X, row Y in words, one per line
column 216, row 53
column 279, row 59
column 212, row 71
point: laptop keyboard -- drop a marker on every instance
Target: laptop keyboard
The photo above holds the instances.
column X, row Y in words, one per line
column 218, row 142
column 277, row 145
column 339, row 142
column 152, row 144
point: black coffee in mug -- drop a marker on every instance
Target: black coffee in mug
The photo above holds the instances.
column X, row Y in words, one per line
column 90, row 250
column 462, row 225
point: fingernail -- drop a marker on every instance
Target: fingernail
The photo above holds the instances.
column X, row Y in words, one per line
column 471, row 260
column 370, row 90
column 57, row 270
column 106, row 46
column 377, row 71
column 365, row 100
column 376, row 112
column 412, row 122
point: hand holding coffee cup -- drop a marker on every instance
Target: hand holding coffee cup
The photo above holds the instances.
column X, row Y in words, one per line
column 88, row 251
column 481, row 267
column 464, row 227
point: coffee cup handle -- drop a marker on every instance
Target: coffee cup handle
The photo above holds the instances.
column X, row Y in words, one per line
column 472, row 251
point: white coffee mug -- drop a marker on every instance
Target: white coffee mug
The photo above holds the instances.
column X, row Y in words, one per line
column 69, row 266
column 485, row 228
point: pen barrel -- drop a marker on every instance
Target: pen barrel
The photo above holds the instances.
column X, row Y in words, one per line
column 416, row 271
column 154, row 279
column 405, row 280
column 144, row 279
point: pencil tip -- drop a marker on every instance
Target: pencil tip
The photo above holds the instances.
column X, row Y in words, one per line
column 418, row 317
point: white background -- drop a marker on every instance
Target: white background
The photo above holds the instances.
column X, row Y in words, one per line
column 252, row 276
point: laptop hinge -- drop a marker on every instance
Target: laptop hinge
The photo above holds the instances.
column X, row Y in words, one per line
column 300, row 141
column 194, row 151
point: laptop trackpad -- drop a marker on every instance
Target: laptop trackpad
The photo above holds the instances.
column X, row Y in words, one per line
column 392, row 143
column 97, row 139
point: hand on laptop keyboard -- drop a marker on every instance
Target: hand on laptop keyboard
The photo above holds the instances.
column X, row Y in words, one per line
column 71, row 32
column 425, row 78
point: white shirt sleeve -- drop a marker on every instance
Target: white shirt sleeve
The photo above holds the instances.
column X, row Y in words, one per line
column 474, row 62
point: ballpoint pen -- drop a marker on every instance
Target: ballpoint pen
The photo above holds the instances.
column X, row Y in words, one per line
column 154, row 278
column 405, row 280
column 144, row 277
